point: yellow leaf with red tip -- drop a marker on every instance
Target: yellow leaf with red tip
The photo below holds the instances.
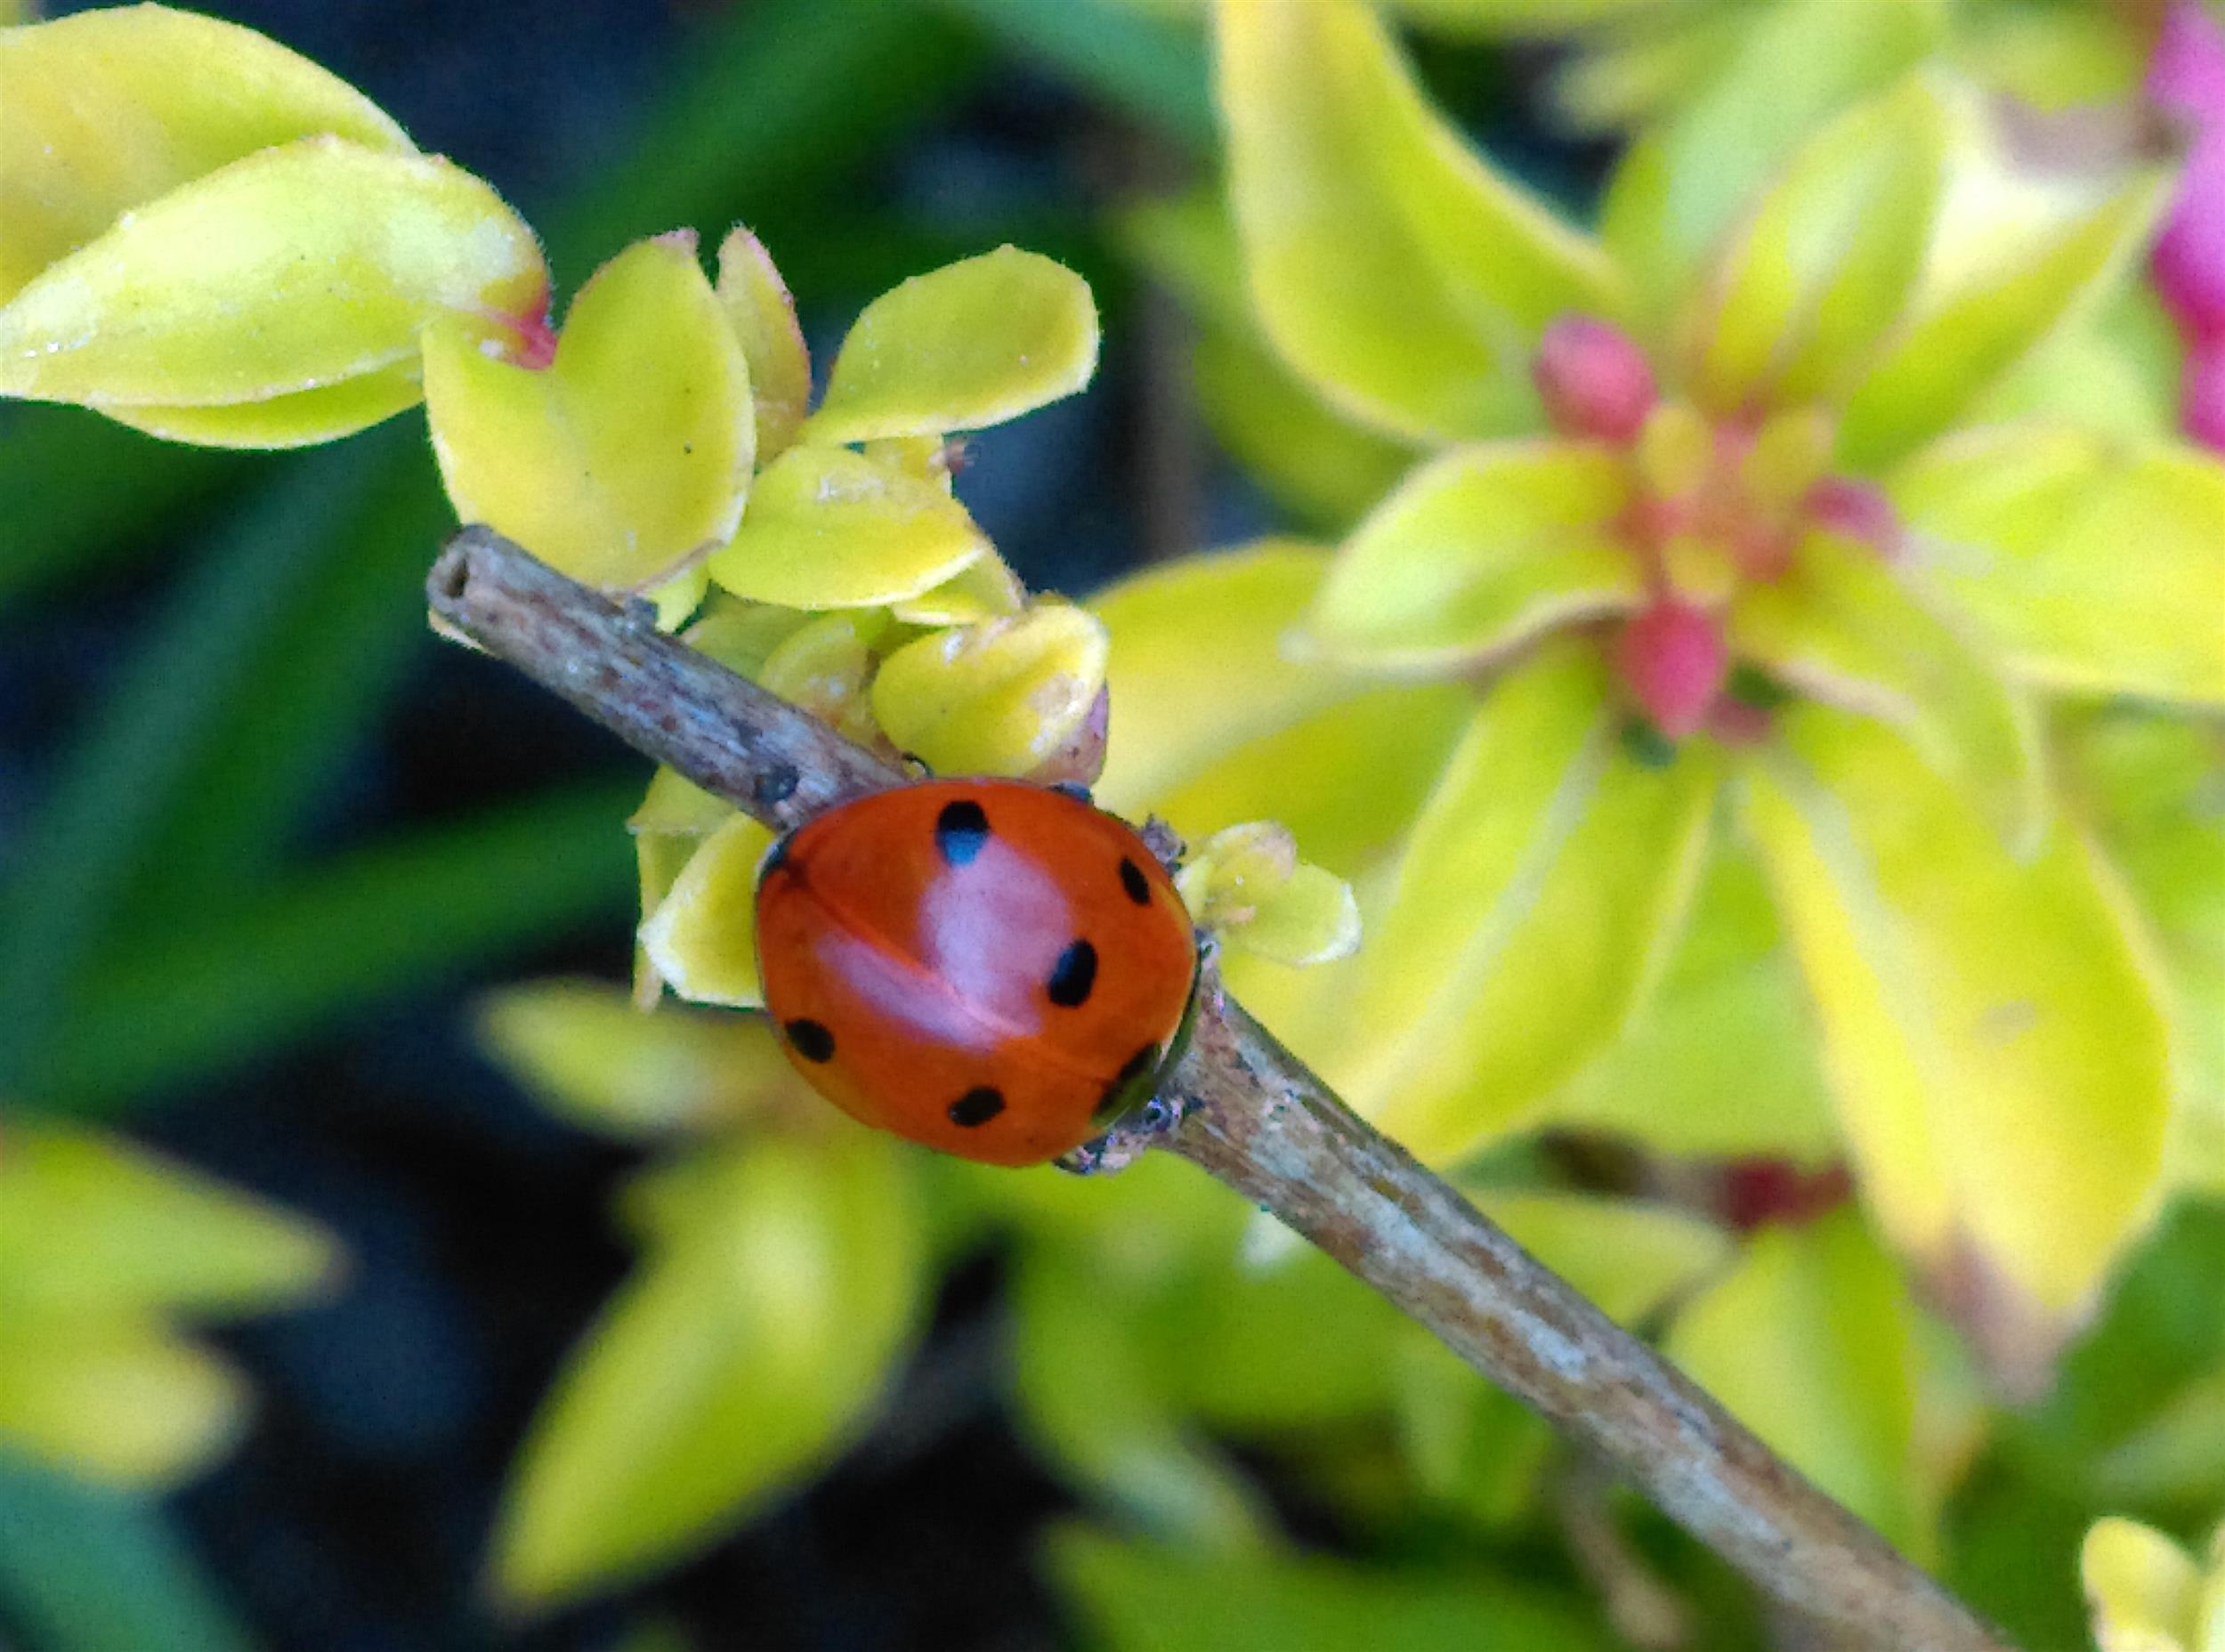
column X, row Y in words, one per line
column 630, row 452
column 295, row 269
column 108, row 110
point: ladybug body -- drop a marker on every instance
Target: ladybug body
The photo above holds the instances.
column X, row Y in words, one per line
column 992, row 968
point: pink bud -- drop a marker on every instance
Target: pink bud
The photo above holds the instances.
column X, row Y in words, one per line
column 2188, row 262
column 1858, row 509
column 532, row 340
column 2187, row 75
column 2202, row 393
column 1673, row 657
column 1595, row 382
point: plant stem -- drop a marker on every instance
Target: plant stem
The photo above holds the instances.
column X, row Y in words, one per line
column 1252, row 1116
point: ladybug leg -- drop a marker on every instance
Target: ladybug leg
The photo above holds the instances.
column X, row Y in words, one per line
column 1160, row 839
column 1126, row 1142
column 1075, row 790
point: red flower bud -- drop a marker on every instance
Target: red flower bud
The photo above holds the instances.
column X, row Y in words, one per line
column 1675, row 661
column 2202, row 396
column 1595, row 382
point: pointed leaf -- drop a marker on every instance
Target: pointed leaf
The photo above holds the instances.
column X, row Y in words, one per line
column 1785, row 72
column 828, row 528
column 1477, row 552
column 1843, row 627
column 973, row 344
column 997, row 697
column 1540, row 892
column 2003, row 287
column 764, row 319
column 2145, row 1591
column 2000, row 1060
column 116, row 1400
column 748, row 1346
column 583, row 1049
column 1389, row 263
column 1808, row 1342
column 1827, row 262
column 108, row 110
column 630, row 451
column 2096, row 568
column 294, row 268
column 93, row 1225
column 702, row 938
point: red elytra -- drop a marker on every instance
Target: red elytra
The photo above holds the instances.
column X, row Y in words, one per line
column 992, row 968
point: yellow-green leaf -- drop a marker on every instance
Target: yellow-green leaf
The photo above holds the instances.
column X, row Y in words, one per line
column 997, row 697
column 292, row 269
column 702, row 938
column 631, row 451
column 764, row 319
column 1389, row 263
column 1808, row 1341
column 583, row 1049
column 1721, row 1063
column 93, row 1225
column 1539, row 895
column 116, row 1398
column 1997, row 289
column 1827, row 260
column 2144, row 1591
column 1843, row 625
column 297, row 419
column 748, row 1346
column 1477, row 552
column 2096, row 568
column 973, row 344
column 1628, row 1256
column 1999, row 1059
column 828, row 528
column 1778, row 76
column 105, row 110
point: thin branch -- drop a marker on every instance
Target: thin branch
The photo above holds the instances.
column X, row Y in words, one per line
column 1251, row 1115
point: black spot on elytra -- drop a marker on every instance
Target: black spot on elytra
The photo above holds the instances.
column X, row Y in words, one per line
column 960, row 830
column 811, row 1040
column 976, row 1106
column 1133, row 880
column 1120, row 1095
column 1073, row 974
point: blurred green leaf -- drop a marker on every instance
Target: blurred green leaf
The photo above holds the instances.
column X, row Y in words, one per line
column 1097, row 1402
column 1149, row 67
column 591, row 1056
column 1843, row 627
column 86, row 1569
column 378, row 921
column 1807, row 1341
column 116, row 1398
column 748, row 1347
column 1476, row 553
column 1990, row 1030
column 1146, row 1598
column 95, row 1226
column 1685, row 181
column 1388, row 262
column 1825, row 261
column 2094, row 568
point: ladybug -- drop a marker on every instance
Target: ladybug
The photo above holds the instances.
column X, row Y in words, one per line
column 992, row 968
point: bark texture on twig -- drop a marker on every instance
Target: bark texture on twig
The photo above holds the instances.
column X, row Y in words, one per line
column 1252, row 1116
